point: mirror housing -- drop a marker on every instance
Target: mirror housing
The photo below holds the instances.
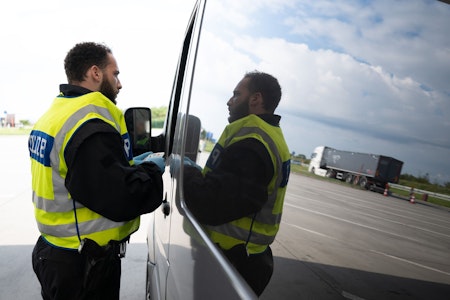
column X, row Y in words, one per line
column 194, row 128
column 139, row 125
column 139, row 122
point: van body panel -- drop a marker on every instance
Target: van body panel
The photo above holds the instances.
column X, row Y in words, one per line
column 183, row 263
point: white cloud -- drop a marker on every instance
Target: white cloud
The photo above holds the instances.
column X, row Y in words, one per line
column 367, row 93
column 356, row 75
column 145, row 38
column 400, row 36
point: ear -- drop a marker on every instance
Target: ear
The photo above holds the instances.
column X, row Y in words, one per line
column 256, row 104
column 256, row 100
column 95, row 74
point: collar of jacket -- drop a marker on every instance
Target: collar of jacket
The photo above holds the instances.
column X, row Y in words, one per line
column 69, row 90
column 272, row 119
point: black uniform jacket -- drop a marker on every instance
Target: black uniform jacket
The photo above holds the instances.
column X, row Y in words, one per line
column 99, row 175
column 237, row 187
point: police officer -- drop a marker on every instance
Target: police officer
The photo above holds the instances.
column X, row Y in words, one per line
column 239, row 195
column 87, row 192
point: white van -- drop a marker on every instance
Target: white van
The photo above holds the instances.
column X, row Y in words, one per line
column 183, row 263
column 237, row 37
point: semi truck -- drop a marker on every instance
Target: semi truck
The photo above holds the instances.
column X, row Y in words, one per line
column 367, row 170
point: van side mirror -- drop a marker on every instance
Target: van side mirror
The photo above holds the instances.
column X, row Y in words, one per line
column 139, row 125
column 192, row 137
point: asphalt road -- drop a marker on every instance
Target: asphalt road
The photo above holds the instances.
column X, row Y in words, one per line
column 338, row 242
column 335, row 242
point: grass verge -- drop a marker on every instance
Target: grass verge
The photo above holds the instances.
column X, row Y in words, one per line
column 14, row 131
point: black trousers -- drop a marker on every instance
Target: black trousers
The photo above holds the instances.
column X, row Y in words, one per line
column 61, row 274
column 256, row 269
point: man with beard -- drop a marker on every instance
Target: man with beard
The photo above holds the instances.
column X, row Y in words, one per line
column 239, row 195
column 88, row 193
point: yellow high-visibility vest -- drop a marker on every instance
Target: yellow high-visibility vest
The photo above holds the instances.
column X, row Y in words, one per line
column 265, row 224
column 60, row 219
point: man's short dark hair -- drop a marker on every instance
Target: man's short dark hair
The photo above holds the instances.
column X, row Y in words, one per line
column 267, row 85
column 83, row 56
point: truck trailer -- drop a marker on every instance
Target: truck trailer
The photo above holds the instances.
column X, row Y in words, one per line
column 367, row 170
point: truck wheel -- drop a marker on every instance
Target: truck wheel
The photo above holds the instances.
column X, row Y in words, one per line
column 349, row 178
column 330, row 174
column 313, row 170
column 363, row 182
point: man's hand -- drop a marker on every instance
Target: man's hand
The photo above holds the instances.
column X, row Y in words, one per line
column 157, row 159
column 140, row 158
column 175, row 164
column 189, row 162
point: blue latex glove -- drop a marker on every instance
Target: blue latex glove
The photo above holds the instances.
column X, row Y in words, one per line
column 157, row 159
column 140, row 158
column 175, row 164
column 189, row 162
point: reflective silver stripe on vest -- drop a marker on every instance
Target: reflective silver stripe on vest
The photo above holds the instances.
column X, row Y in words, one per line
column 242, row 234
column 69, row 230
column 62, row 202
column 54, row 206
column 265, row 215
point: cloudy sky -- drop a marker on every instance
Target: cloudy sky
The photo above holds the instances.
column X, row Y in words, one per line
column 367, row 76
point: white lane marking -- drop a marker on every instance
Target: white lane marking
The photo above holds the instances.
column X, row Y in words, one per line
column 408, row 225
column 410, row 262
column 353, row 223
column 394, row 211
column 384, row 219
column 373, row 251
column 398, row 209
column 308, row 230
column 347, row 295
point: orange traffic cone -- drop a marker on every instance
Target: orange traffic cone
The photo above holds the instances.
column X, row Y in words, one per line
column 386, row 190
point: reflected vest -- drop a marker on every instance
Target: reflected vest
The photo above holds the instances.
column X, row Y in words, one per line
column 62, row 220
column 257, row 231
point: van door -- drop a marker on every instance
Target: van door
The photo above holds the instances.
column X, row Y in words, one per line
column 197, row 269
column 160, row 227
column 183, row 261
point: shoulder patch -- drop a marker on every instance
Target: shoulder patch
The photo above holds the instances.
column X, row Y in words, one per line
column 127, row 146
column 40, row 145
column 214, row 157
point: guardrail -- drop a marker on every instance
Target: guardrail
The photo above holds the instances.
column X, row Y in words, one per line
column 408, row 188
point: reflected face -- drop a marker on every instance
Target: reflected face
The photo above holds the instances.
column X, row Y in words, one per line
column 140, row 128
column 111, row 85
column 238, row 105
